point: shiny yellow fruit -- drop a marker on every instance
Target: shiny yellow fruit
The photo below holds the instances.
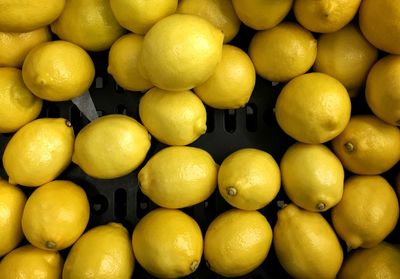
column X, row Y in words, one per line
column 180, row 52
column 89, row 24
column 367, row 213
column 179, row 176
column 55, row 215
column 324, row 16
column 347, row 56
column 173, row 117
column 219, row 12
column 103, row 252
column 262, row 14
column 12, row 202
column 305, row 244
column 167, row 243
column 313, row 108
column 368, row 145
column 283, row 52
column 39, row 151
column 123, row 62
column 24, row 16
column 58, row 71
column 139, row 16
column 111, row 146
column 249, row 179
column 18, row 106
column 235, row 67
column 29, row 262
column 237, row 242
column 15, row 46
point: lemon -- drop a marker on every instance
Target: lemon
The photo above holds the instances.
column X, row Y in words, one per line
column 237, row 242
column 111, row 146
column 384, row 101
column 249, row 179
column 139, row 16
column 179, row 176
column 102, row 252
column 347, row 56
column 12, row 202
column 283, row 52
column 89, row 24
column 15, row 46
column 18, row 106
column 58, row 71
column 313, row 108
column 262, row 14
column 180, row 52
column 367, row 213
column 167, row 243
column 29, row 262
column 219, row 12
column 236, row 67
column 123, row 60
column 305, row 244
column 24, row 16
column 325, row 16
column 39, row 151
column 55, row 215
column 368, row 145
column 173, row 117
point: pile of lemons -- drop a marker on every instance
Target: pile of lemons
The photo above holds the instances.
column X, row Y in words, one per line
column 177, row 54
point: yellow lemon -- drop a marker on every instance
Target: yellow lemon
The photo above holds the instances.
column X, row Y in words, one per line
column 15, row 46
column 283, row 52
column 249, row 179
column 173, row 117
column 325, row 16
column 29, row 262
column 262, row 14
column 367, row 213
column 368, row 145
column 235, row 67
column 111, row 146
column 347, row 56
column 18, row 106
column 313, row 108
column 55, row 215
column 180, row 52
column 24, row 16
column 179, row 176
column 103, row 252
column 39, row 151
column 219, row 12
column 312, row 176
column 139, row 16
column 305, row 244
column 58, row 71
column 12, row 202
column 167, row 243
column 237, row 242
column 89, row 24
column 123, row 61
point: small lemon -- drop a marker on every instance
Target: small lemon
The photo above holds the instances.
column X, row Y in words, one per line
column 283, row 52
column 55, row 215
column 18, row 106
column 167, row 243
column 103, row 252
column 39, row 151
column 236, row 67
column 367, row 213
column 179, row 176
column 237, row 242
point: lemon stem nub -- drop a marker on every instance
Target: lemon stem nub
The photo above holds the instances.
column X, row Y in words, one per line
column 68, row 123
column 194, row 266
column 50, row 245
column 321, row 206
column 231, row 191
column 349, row 147
column 281, row 204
